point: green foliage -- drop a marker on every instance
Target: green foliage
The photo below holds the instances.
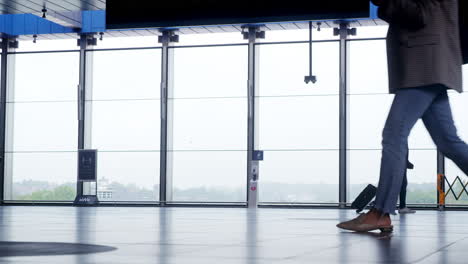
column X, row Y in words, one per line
column 274, row 192
column 60, row 193
column 422, row 196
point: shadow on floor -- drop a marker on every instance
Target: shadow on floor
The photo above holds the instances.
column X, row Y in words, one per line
column 12, row 249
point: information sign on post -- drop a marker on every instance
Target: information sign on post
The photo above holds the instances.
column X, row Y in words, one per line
column 87, row 174
column 87, row 161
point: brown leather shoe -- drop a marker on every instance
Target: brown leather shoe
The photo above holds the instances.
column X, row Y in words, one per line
column 368, row 222
column 363, row 227
column 348, row 225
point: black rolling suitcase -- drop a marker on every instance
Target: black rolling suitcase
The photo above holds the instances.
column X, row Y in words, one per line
column 364, row 198
column 367, row 195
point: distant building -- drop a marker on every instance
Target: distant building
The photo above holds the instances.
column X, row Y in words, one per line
column 104, row 191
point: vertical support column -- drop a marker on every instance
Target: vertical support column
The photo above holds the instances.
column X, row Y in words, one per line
column 251, row 198
column 6, row 117
column 8, row 76
column 440, row 180
column 343, row 32
column 252, row 34
column 84, row 42
column 343, row 144
column 165, row 173
column 3, row 108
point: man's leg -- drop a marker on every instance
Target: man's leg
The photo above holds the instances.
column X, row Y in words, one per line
column 408, row 106
column 439, row 122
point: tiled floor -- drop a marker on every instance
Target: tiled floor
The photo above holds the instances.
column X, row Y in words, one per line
column 214, row 235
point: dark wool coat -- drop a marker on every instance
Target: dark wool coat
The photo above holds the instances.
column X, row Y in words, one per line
column 423, row 43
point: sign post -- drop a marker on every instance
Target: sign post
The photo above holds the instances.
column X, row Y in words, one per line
column 253, row 181
column 87, row 174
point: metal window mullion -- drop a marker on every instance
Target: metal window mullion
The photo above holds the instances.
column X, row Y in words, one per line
column 3, row 108
column 343, row 118
column 81, row 90
column 251, row 109
column 164, row 118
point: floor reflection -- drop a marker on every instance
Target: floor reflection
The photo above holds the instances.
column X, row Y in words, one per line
column 252, row 236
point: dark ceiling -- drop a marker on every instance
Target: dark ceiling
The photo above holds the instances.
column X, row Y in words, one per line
column 67, row 13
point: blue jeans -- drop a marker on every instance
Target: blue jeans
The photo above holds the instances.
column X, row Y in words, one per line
column 409, row 105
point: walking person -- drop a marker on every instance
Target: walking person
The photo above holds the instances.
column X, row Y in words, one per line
column 424, row 61
column 403, row 208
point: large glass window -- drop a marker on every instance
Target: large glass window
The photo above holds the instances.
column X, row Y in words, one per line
column 369, row 103
column 120, row 40
column 189, row 36
column 459, row 108
column 42, row 127
column 371, row 31
column 42, row 43
column 124, row 122
column 298, row 32
column 298, row 123
column 207, row 156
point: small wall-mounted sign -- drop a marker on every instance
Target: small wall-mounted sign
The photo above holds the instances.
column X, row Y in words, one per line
column 257, row 155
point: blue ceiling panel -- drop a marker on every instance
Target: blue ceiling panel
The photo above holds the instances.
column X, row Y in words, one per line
column 28, row 24
column 93, row 21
